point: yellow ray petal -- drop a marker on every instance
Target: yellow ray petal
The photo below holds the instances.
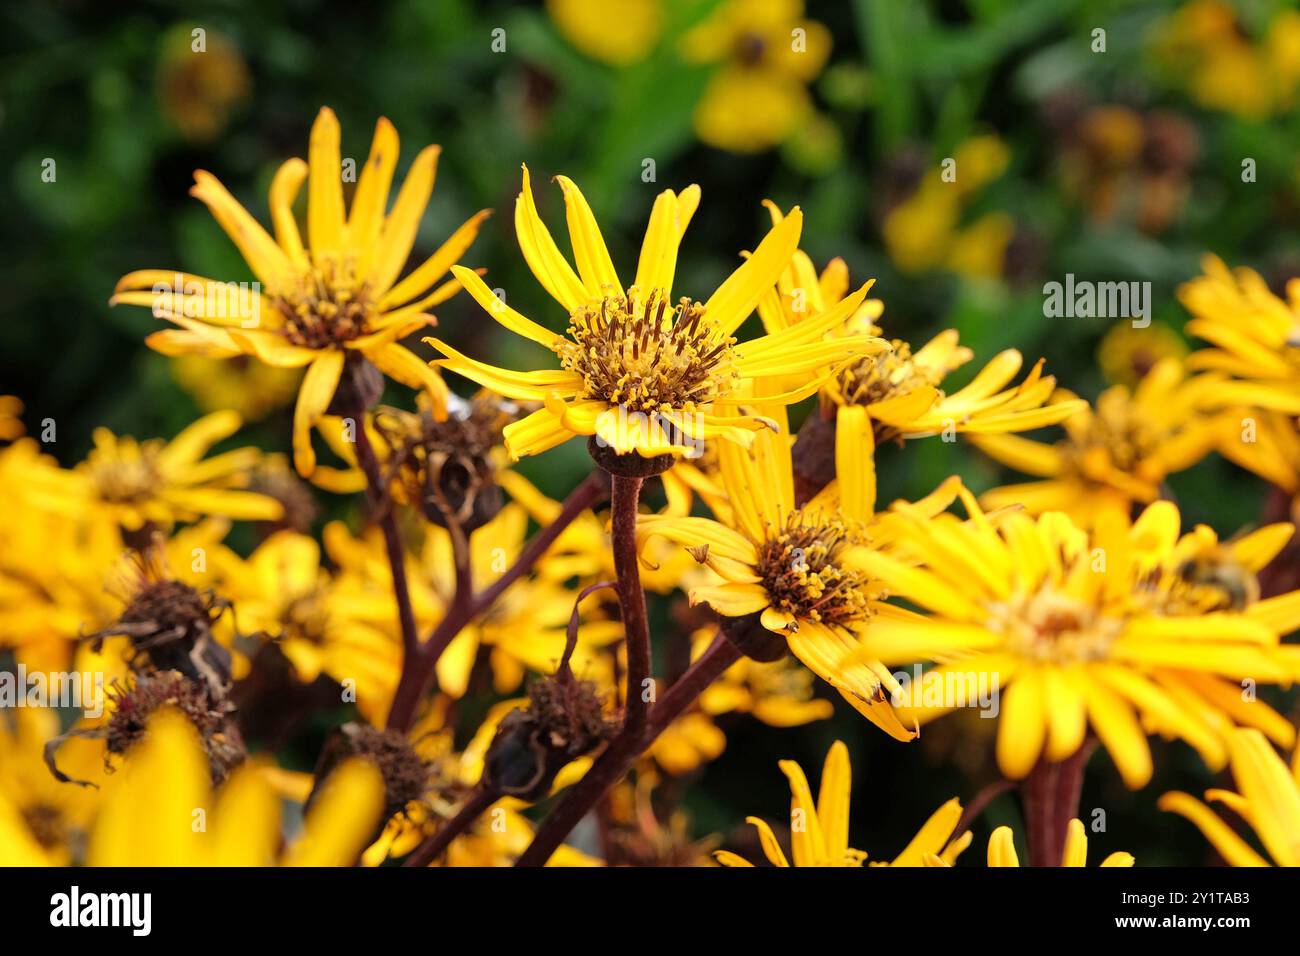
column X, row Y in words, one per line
column 324, row 187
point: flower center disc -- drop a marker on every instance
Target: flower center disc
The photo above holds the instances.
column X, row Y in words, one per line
column 327, row 307
column 801, row 571
column 648, row 357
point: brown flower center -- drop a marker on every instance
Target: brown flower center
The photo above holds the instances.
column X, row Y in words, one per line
column 648, row 357
column 802, row 573
column 327, row 306
column 1054, row 628
column 886, row 375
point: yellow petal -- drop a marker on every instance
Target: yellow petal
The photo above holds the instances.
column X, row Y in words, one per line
column 314, row 396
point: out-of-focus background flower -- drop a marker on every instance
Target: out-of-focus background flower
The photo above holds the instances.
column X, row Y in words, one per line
column 1115, row 141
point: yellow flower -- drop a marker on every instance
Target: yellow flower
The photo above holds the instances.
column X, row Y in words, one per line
column 1206, row 50
column 319, row 302
column 642, row 375
column 896, row 395
column 524, row 629
column 1267, row 799
column 779, row 693
column 1002, row 849
column 1126, row 353
column 768, row 54
column 618, row 32
column 198, row 94
column 924, row 231
column 148, row 817
column 1129, row 630
column 43, row 821
column 1255, row 337
column 820, row 831
column 336, row 624
column 1115, row 455
column 797, row 572
column 687, row 743
column 157, row 483
column 250, row 388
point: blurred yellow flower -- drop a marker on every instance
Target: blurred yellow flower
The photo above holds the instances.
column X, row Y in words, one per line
column 766, row 55
column 251, row 389
column 156, row 483
column 199, row 89
column 42, row 821
column 618, row 32
column 1131, row 630
column 159, row 809
column 1127, row 353
column 1206, row 50
column 924, row 231
column 1114, row 456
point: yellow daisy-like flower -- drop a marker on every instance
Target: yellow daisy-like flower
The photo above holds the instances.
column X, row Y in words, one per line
column 1129, row 630
column 618, row 32
column 1002, row 849
column 1255, row 337
column 43, row 821
column 525, row 628
column 319, row 302
column 249, row 387
column 897, row 394
column 797, row 572
column 156, row 482
column 768, row 54
column 1126, row 353
column 148, row 814
column 1267, row 799
column 336, row 624
column 820, row 831
column 642, row 374
column 1114, row 456
column 924, row 231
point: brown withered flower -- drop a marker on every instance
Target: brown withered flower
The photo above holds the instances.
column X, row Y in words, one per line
column 447, row 468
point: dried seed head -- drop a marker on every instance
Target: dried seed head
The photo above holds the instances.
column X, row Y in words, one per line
column 447, row 466
column 133, row 706
column 564, row 720
column 406, row 774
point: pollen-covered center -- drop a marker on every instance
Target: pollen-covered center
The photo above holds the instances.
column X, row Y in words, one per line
column 646, row 356
column 126, row 475
column 886, row 375
column 803, row 574
column 306, row 617
column 1055, row 628
column 325, row 306
column 1116, row 440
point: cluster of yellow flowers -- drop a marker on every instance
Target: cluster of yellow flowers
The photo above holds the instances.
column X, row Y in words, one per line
column 1079, row 604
